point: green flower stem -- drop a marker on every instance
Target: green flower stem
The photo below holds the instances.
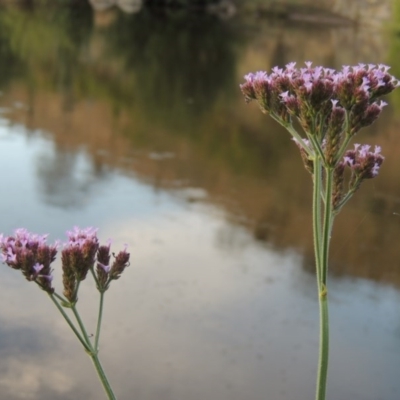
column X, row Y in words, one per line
column 62, row 299
column 343, row 147
column 75, row 295
column 347, row 137
column 69, row 322
column 317, row 216
column 328, row 220
column 103, row 378
column 323, row 346
column 93, row 352
column 317, row 147
column 321, row 247
column 83, row 329
column 344, row 201
column 95, row 278
column 99, row 318
column 298, row 137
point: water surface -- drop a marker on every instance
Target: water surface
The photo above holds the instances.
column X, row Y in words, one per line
column 134, row 123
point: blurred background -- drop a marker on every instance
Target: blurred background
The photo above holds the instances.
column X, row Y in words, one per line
column 127, row 115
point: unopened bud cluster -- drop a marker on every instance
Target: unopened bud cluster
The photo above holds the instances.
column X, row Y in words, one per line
column 33, row 256
column 106, row 271
column 331, row 107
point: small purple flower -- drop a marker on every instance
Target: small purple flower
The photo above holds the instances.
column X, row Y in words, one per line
column 79, row 236
column 38, row 267
column 284, row 95
column 278, row 71
column 11, row 257
column 382, row 104
column 348, row 161
column 106, row 268
column 308, row 64
column 290, row 66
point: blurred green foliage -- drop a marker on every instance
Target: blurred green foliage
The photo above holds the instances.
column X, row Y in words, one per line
column 41, row 38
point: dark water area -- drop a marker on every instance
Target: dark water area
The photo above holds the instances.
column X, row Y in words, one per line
column 133, row 122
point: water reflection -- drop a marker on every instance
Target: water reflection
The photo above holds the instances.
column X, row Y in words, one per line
column 68, row 179
column 125, row 94
column 134, row 123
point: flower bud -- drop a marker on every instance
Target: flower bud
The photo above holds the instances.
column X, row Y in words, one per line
column 120, row 263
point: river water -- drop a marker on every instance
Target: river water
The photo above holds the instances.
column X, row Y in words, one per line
column 134, row 123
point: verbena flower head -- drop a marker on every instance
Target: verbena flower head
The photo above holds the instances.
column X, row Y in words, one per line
column 78, row 256
column 314, row 85
column 81, row 253
column 331, row 107
column 103, row 266
column 307, row 92
column 107, row 271
column 30, row 254
column 120, row 263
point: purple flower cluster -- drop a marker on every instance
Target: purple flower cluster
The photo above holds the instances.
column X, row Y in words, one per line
column 80, row 254
column 106, row 272
column 31, row 255
column 306, row 94
column 331, row 107
column 364, row 163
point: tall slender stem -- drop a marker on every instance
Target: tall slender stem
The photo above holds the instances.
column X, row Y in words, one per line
column 83, row 329
column 69, row 322
column 327, row 225
column 298, row 137
column 323, row 346
column 93, row 351
column 319, row 153
column 99, row 318
column 103, row 377
column 321, row 257
column 317, row 216
column 94, row 277
column 62, row 299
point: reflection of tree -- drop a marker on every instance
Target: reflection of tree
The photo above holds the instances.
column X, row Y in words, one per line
column 182, row 63
column 12, row 67
column 174, row 66
column 68, row 179
column 39, row 39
